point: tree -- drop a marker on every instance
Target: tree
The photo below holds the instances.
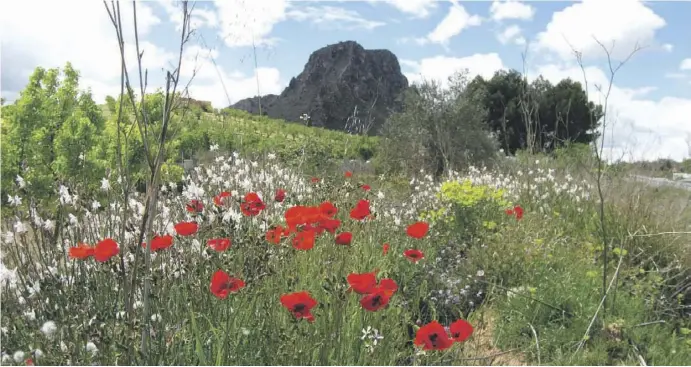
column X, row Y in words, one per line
column 556, row 114
column 49, row 133
column 447, row 125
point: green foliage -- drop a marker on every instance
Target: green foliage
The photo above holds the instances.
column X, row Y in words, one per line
column 50, row 135
column 468, row 209
column 557, row 114
column 447, row 126
column 293, row 143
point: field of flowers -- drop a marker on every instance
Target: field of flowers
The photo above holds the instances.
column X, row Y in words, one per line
column 254, row 263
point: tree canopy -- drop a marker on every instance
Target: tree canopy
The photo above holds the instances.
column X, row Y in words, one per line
column 538, row 116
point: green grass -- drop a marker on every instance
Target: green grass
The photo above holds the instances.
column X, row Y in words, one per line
column 517, row 281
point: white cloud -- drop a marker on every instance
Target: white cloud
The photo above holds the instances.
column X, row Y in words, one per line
column 623, row 23
column 685, row 64
column 243, row 22
column 94, row 53
column 511, row 34
column 201, row 18
column 511, row 9
column 439, row 68
column 639, row 128
column 67, row 34
column 238, row 86
column 212, row 82
column 416, row 8
column 455, row 21
column 668, row 47
column 332, row 17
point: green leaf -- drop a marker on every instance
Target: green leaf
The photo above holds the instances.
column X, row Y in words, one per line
column 198, row 343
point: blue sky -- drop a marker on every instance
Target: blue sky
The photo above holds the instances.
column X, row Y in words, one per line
column 650, row 100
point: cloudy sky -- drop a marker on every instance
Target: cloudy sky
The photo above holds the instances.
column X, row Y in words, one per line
column 650, row 101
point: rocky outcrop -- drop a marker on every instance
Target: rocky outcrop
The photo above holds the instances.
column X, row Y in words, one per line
column 339, row 82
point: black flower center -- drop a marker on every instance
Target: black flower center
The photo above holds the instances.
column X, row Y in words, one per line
column 433, row 339
column 299, row 308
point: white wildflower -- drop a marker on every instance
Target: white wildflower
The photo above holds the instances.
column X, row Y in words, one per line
column 18, row 356
column 49, row 328
column 20, row 227
column 105, row 184
column 20, row 181
column 91, row 348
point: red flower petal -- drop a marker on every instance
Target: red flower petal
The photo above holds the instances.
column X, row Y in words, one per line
column 299, row 304
column 81, row 251
column 433, row 337
column 344, row 238
column 417, row 230
column 363, row 283
column 222, row 284
column 460, row 330
column 413, row 255
column 375, row 301
column 106, row 249
column 219, row 244
column 304, row 240
column 186, row 228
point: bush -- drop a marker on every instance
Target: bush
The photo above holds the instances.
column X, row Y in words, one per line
column 438, row 131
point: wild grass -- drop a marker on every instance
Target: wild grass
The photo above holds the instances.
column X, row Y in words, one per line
column 531, row 287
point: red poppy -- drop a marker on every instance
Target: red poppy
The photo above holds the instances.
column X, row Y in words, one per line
column 186, row 228
column 195, row 206
column 328, row 209
column 363, row 283
column 219, row 244
column 366, row 187
column 252, row 205
column 330, row 225
column 30, row 362
column 81, row 251
column 344, row 238
column 299, row 304
column 461, row 330
column 509, row 212
column 274, row 235
column 222, row 284
column 293, row 216
column 387, row 286
column 160, row 242
column 417, row 230
column 280, row 195
column 304, row 240
column 385, row 248
column 375, row 301
column 314, row 179
column 105, row 250
column 413, row 255
column 519, row 212
column 348, row 174
column 361, row 210
column 302, row 215
column 221, row 199
column 433, row 337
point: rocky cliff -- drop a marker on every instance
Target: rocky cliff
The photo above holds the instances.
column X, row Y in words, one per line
column 338, row 82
